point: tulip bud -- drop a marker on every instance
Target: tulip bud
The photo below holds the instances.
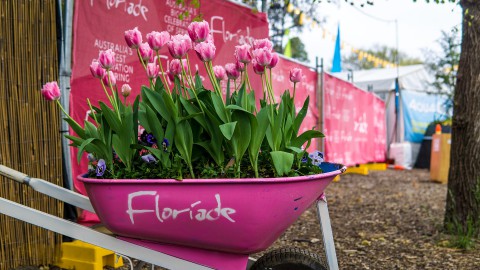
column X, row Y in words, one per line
column 145, row 52
column 257, row 68
column 51, row 91
column 205, row 51
column 262, row 44
column 219, row 72
column 175, row 67
column 274, row 61
column 157, row 40
column 198, row 31
column 96, row 69
column 133, row 38
column 109, row 79
column 126, row 89
column 179, row 45
column 107, row 59
column 263, row 56
column 240, row 66
column 152, row 70
column 295, row 75
column 242, row 53
column 232, row 71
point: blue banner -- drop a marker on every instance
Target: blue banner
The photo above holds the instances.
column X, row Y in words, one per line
column 419, row 110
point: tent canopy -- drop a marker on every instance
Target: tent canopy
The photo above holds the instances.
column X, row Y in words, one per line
column 382, row 80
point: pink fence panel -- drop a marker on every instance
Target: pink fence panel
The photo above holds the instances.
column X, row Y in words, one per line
column 355, row 126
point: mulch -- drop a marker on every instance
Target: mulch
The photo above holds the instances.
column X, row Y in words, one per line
column 386, row 220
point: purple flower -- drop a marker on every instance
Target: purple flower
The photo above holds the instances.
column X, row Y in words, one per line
column 165, row 144
column 151, row 139
column 149, row 158
column 304, row 159
column 317, row 157
column 101, row 167
column 91, row 157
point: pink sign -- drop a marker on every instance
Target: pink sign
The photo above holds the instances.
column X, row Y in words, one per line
column 355, row 127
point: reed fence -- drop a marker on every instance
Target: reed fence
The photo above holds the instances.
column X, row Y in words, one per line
column 29, row 126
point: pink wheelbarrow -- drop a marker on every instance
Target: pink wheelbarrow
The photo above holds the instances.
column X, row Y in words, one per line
column 192, row 224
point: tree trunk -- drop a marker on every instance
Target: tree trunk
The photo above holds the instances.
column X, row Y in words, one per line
column 463, row 198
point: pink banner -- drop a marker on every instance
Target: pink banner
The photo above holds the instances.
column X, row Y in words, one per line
column 100, row 25
column 355, row 127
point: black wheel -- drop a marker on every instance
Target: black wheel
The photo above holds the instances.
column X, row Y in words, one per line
column 289, row 259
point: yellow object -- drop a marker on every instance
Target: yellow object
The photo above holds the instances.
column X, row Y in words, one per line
column 336, row 179
column 84, row 256
column 357, row 170
column 440, row 157
column 375, row 166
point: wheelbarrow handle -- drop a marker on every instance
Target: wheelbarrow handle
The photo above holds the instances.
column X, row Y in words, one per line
column 13, row 174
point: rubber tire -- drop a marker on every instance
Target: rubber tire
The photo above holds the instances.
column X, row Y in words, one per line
column 289, row 259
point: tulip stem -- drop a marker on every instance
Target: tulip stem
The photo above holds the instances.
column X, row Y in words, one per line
column 163, row 73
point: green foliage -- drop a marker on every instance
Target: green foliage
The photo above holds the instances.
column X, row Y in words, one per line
column 192, row 132
column 444, row 65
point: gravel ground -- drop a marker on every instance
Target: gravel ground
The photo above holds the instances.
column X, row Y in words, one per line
column 386, row 220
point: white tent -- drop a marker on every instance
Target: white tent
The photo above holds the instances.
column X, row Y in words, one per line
column 412, row 79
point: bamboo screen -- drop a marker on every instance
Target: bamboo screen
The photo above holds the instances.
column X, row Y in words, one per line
column 29, row 126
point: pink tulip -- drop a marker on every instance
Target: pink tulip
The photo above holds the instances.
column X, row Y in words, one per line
column 219, row 72
column 263, row 56
column 205, row 51
column 198, row 31
column 232, row 72
column 175, row 67
column 107, row 59
column 240, row 66
column 257, row 68
column 152, row 70
column 133, row 38
column 109, row 79
column 126, row 89
column 96, row 69
column 179, row 45
column 262, row 43
column 171, row 76
column 295, row 75
column 242, row 53
column 274, row 61
column 157, row 40
column 51, row 91
column 146, row 52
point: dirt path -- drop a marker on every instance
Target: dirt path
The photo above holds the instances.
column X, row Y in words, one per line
column 386, row 220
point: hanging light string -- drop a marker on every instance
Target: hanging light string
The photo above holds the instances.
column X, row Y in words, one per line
column 328, row 35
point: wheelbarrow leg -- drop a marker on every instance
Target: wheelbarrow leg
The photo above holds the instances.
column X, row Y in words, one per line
column 326, row 228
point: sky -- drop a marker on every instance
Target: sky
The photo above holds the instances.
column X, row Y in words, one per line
column 419, row 27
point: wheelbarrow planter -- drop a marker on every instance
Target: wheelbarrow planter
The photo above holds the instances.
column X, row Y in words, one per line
column 211, row 222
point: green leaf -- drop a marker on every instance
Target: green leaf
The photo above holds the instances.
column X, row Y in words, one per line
column 220, row 108
column 111, row 117
column 307, row 135
column 81, row 148
column 91, row 130
column 212, row 148
column 184, row 141
column 296, row 149
column 300, row 116
column 282, row 161
column 198, row 82
column 228, row 129
column 122, row 148
column 75, row 126
column 159, row 102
